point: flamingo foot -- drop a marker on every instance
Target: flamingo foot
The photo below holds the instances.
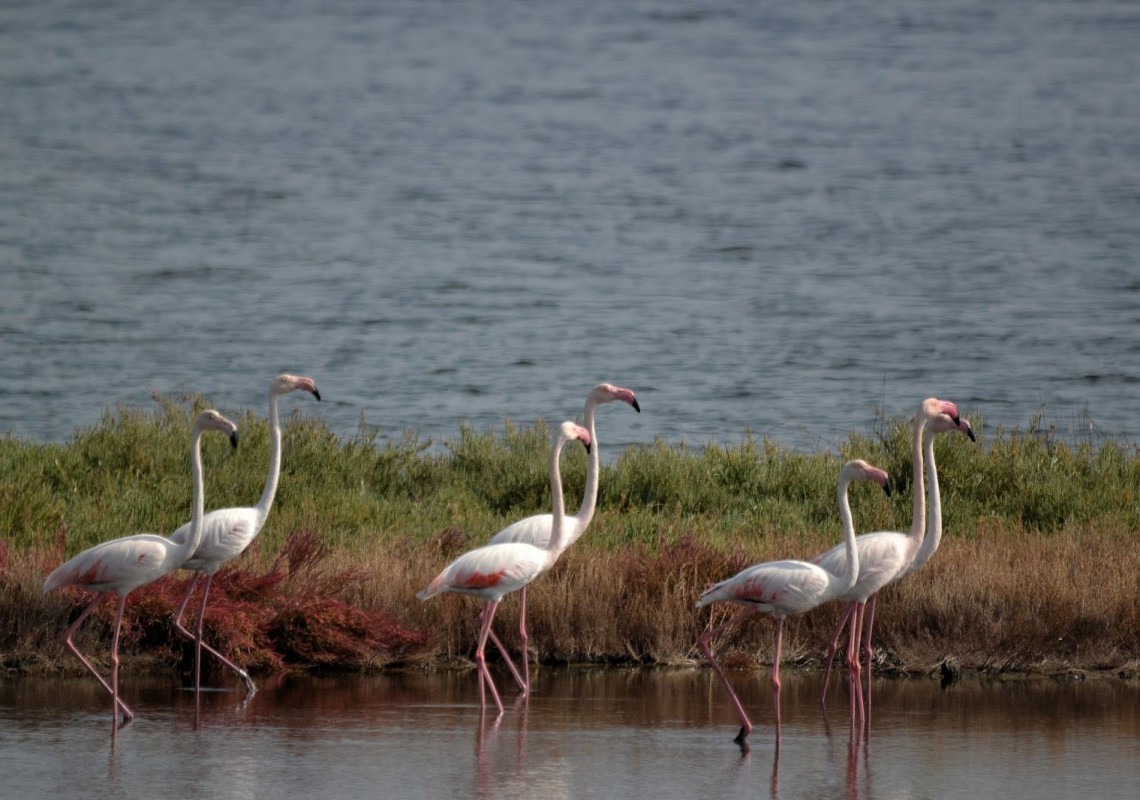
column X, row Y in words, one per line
column 743, row 735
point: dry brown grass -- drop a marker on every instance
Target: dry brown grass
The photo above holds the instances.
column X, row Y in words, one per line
column 1001, row 601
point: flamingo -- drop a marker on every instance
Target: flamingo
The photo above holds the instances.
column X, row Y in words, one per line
column 227, row 532
column 780, row 588
column 536, row 529
column 495, row 570
column 884, row 555
column 122, row 565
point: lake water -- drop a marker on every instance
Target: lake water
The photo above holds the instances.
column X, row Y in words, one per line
column 766, row 215
column 584, row 734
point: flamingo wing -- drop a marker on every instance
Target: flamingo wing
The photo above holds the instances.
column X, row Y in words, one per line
column 787, row 587
column 117, row 566
column 490, row 572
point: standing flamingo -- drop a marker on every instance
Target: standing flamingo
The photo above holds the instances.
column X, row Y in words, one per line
column 227, row 532
column 780, row 588
column 536, row 529
column 122, row 565
column 495, row 570
column 883, row 555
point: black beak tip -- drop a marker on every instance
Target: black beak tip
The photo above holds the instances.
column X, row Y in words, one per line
column 887, row 488
column 316, row 394
column 970, row 433
column 635, row 405
column 587, row 447
column 233, row 439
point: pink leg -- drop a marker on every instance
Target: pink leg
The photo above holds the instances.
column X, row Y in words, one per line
column 507, row 660
column 524, row 641
column 128, row 715
column 854, row 670
column 198, row 636
column 198, row 643
column 481, row 661
column 832, row 646
column 776, row 674
column 115, row 661
column 703, row 644
column 868, row 652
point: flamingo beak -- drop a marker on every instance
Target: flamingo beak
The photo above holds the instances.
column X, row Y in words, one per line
column 233, row 439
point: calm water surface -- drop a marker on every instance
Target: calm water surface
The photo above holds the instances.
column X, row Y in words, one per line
column 759, row 214
column 584, row 734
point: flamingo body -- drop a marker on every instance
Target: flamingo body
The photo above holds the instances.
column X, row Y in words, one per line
column 778, row 588
column 118, row 566
column 491, row 572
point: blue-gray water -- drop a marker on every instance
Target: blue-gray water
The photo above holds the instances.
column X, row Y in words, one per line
column 767, row 215
column 584, row 734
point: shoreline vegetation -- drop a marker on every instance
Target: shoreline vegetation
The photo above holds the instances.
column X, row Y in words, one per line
column 1038, row 571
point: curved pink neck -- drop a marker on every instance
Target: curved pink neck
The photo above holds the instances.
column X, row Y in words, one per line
column 850, row 574
column 918, row 524
column 593, row 468
column 558, row 510
column 270, row 491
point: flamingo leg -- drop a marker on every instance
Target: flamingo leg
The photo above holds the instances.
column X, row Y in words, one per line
column 776, row 674
column 854, row 670
column 507, row 660
column 198, row 636
column 128, row 715
column 250, row 687
column 703, row 644
column 485, row 681
column 868, row 653
column 115, row 662
column 833, row 645
column 524, row 640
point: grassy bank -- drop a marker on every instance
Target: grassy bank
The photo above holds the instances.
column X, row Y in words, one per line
column 1038, row 571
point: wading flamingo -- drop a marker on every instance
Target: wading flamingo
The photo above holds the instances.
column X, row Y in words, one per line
column 883, row 555
column 122, row 565
column 227, row 532
column 536, row 529
column 495, row 570
column 780, row 588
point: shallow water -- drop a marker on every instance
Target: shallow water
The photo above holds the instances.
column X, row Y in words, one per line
column 583, row 734
column 767, row 215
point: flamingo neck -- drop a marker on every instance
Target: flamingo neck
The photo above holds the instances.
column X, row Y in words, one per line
column 270, row 491
column 934, row 534
column 593, row 467
column 850, row 574
column 918, row 524
column 198, row 505
column 558, row 510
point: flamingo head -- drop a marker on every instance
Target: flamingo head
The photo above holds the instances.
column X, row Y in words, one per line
column 859, row 470
column 569, row 431
column 607, row 393
column 932, row 407
column 943, row 424
column 283, row 384
column 211, row 420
